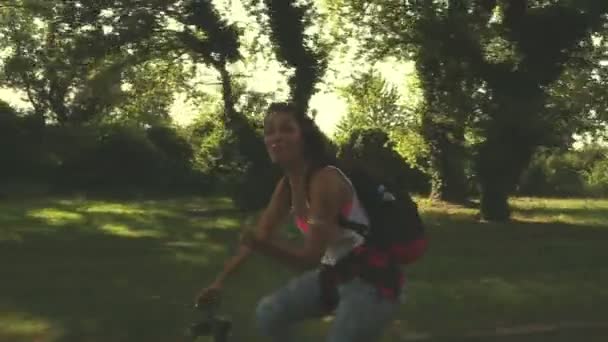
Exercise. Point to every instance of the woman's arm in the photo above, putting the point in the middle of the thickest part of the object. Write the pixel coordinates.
(269, 220)
(328, 192)
(231, 265)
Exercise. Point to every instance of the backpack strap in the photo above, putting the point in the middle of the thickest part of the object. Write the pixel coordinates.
(343, 176)
(344, 221)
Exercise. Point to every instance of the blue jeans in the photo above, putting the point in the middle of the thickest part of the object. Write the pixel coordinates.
(361, 315)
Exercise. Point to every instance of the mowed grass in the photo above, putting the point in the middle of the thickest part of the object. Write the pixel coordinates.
(74, 269)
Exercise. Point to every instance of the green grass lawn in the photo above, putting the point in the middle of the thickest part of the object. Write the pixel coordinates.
(93, 270)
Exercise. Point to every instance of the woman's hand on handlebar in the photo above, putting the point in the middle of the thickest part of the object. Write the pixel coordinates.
(209, 294)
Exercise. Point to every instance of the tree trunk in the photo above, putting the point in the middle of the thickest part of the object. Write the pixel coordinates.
(447, 155)
(501, 160)
(496, 181)
(512, 135)
(229, 110)
(257, 182)
(496, 170)
(494, 203)
(446, 86)
(448, 181)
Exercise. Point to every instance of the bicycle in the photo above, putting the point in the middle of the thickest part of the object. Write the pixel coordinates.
(212, 324)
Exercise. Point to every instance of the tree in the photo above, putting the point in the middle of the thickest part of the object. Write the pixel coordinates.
(287, 22)
(372, 150)
(577, 102)
(543, 38)
(421, 31)
(372, 103)
(503, 55)
(68, 57)
(20, 141)
(210, 39)
(148, 92)
(448, 90)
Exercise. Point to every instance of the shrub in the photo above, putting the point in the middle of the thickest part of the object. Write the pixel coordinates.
(373, 150)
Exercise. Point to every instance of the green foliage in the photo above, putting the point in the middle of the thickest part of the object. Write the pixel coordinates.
(580, 173)
(374, 106)
(372, 150)
(6, 110)
(214, 146)
(597, 177)
(95, 158)
(21, 143)
(221, 39)
(74, 60)
(228, 147)
(124, 159)
(109, 158)
(69, 58)
(173, 145)
(578, 100)
(252, 103)
(372, 103)
(510, 50)
(448, 89)
(427, 33)
(410, 144)
(554, 175)
(545, 38)
(148, 92)
(238, 165)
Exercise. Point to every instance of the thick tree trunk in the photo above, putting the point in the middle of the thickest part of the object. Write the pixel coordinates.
(494, 203)
(446, 87)
(255, 186)
(447, 155)
(504, 155)
(496, 180)
(448, 181)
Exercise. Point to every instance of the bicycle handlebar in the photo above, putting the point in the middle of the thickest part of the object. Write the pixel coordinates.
(211, 324)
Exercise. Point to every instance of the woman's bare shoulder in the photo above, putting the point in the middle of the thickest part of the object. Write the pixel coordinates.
(331, 180)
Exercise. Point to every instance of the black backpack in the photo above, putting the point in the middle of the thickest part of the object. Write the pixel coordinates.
(394, 217)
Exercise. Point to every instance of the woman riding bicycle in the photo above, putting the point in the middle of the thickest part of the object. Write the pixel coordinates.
(319, 195)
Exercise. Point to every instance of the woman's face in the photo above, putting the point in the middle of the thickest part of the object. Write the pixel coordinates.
(283, 138)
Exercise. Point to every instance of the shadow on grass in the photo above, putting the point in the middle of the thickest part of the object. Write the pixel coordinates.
(546, 265)
(586, 334)
(96, 285)
(479, 275)
(579, 212)
(105, 271)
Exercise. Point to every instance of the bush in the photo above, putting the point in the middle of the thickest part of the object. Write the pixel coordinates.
(128, 158)
(122, 157)
(178, 154)
(214, 146)
(110, 158)
(21, 146)
(597, 178)
(374, 151)
(566, 173)
(235, 159)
